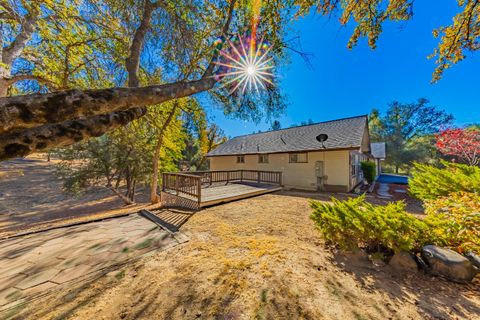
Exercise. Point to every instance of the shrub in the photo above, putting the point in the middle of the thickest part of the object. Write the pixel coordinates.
(428, 182)
(355, 223)
(454, 221)
(369, 170)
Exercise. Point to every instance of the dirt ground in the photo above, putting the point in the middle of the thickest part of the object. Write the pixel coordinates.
(259, 258)
(31, 197)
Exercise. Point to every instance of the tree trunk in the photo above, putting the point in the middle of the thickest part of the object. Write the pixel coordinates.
(154, 198)
(3, 87)
(125, 199)
(132, 63)
(15, 49)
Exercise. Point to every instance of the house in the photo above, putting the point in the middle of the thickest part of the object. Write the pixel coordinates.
(323, 156)
(379, 154)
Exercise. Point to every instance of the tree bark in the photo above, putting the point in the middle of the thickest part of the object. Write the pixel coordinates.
(53, 135)
(125, 199)
(132, 63)
(29, 111)
(14, 50)
(154, 198)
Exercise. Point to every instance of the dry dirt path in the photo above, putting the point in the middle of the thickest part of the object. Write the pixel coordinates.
(259, 258)
(31, 197)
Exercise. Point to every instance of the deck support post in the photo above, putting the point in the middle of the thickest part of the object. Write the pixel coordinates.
(199, 193)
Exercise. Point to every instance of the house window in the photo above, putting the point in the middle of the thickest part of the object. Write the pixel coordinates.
(298, 157)
(263, 158)
(240, 159)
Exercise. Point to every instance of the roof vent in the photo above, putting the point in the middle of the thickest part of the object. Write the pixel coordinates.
(322, 138)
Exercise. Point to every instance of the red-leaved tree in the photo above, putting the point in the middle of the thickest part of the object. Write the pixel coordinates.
(463, 144)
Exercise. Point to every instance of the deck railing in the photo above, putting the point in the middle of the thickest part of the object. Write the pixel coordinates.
(190, 183)
(258, 176)
(182, 184)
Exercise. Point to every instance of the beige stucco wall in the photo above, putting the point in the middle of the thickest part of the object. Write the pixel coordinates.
(295, 175)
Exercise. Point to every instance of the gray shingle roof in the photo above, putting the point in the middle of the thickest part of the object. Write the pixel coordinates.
(343, 133)
(378, 150)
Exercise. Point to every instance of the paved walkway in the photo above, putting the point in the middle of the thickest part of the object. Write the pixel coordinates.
(383, 191)
(32, 264)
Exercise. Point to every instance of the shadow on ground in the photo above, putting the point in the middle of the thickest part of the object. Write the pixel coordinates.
(435, 297)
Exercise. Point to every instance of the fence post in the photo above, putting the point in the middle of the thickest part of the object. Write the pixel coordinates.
(199, 191)
(228, 176)
(241, 175)
(258, 176)
(280, 179)
(176, 184)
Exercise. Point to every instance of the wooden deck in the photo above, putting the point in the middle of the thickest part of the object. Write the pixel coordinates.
(195, 190)
(234, 191)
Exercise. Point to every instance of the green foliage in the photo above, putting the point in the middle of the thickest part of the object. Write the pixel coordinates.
(369, 170)
(368, 17)
(407, 129)
(123, 157)
(429, 182)
(455, 221)
(452, 222)
(355, 222)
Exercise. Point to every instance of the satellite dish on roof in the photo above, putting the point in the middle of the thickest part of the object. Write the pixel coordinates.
(322, 138)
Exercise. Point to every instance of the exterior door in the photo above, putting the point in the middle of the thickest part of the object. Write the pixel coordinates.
(319, 173)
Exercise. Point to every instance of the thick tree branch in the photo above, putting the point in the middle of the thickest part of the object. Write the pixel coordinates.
(27, 29)
(20, 77)
(37, 122)
(63, 134)
(226, 27)
(29, 111)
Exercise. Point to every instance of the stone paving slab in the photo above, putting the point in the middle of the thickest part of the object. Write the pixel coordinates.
(32, 264)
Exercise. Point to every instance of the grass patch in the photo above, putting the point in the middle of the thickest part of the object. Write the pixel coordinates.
(120, 275)
(125, 250)
(144, 244)
(14, 295)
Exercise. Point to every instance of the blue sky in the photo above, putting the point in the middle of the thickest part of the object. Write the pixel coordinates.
(344, 83)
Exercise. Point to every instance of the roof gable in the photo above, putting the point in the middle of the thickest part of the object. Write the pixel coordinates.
(343, 133)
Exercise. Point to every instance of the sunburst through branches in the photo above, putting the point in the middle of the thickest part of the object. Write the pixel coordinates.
(245, 65)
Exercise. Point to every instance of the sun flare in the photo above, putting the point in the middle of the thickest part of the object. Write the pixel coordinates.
(246, 68)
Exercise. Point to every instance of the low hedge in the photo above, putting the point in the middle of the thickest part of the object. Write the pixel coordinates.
(356, 223)
(452, 222)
